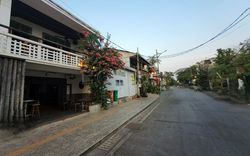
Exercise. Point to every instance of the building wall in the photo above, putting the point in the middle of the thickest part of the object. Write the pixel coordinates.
(38, 30)
(126, 57)
(73, 79)
(5, 10)
(128, 86)
(132, 84)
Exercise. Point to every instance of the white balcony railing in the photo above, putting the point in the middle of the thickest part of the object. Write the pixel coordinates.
(19, 47)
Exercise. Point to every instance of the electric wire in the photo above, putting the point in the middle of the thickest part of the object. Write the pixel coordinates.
(71, 9)
(233, 24)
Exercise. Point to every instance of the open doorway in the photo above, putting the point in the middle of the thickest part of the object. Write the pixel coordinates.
(50, 92)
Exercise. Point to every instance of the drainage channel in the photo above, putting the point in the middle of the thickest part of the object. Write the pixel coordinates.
(112, 143)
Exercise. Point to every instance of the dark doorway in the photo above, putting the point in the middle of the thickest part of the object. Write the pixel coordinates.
(51, 92)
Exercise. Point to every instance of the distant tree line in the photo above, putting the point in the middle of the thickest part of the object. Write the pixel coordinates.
(228, 72)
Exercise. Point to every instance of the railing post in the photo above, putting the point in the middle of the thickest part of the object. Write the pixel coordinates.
(60, 58)
(8, 44)
(39, 51)
(77, 61)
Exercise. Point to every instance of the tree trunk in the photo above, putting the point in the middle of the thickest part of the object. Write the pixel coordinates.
(228, 84)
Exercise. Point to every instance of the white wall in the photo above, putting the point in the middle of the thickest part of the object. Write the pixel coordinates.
(132, 84)
(126, 57)
(128, 88)
(5, 10)
(75, 85)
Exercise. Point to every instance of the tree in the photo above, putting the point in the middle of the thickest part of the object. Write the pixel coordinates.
(100, 64)
(153, 60)
(169, 80)
(242, 63)
(224, 66)
(186, 76)
(202, 78)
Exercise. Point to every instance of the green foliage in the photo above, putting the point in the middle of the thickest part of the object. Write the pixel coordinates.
(168, 79)
(100, 64)
(202, 78)
(186, 76)
(145, 84)
(229, 65)
(153, 60)
(153, 89)
(224, 64)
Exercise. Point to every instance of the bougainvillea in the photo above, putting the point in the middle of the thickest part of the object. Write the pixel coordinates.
(101, 62)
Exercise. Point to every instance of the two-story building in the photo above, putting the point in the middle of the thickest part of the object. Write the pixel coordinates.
(127, 82)
(38, 56)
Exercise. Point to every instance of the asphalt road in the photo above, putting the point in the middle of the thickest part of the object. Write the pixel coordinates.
(189, 123)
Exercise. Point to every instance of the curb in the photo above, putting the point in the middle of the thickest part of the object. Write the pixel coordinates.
(115, 130)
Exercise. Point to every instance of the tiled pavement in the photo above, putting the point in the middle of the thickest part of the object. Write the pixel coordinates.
(75, 135)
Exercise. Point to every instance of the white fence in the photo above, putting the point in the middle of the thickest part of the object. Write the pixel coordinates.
(15, 46)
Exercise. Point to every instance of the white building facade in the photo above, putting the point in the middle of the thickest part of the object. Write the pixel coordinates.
(124, 81)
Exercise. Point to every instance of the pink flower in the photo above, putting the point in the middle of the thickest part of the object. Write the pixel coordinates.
(85, 34)
(97, 55)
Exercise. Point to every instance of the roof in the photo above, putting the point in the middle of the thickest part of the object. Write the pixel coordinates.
(58, 13)
(141, 59)
(129, 69)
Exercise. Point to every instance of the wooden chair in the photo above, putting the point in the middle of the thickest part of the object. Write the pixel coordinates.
(75, 104)
(36, 110)
(31, 109)
(88, 100)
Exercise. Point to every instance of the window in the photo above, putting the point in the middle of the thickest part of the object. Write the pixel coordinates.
(22, 30)
(119, 82)
(55, 39)
(21, 27)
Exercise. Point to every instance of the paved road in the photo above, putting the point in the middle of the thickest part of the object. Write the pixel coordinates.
(188, 123)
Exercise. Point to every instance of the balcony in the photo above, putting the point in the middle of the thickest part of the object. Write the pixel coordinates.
(35, 52)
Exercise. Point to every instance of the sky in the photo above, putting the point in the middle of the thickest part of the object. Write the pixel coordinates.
(172, 25)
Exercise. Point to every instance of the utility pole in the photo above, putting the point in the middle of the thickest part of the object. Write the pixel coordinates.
(137, 73)
(157, 61)
(157, 55)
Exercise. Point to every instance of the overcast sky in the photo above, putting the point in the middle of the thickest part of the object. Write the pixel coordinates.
(173, 25)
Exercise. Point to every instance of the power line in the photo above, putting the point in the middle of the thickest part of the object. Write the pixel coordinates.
(233, 24)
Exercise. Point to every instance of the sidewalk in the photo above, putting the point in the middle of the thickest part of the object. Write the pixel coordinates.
(75, 135)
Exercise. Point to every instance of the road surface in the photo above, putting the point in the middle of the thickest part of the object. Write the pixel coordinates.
(189, 123)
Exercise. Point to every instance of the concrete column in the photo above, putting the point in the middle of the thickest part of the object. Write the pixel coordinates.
(5, 12)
